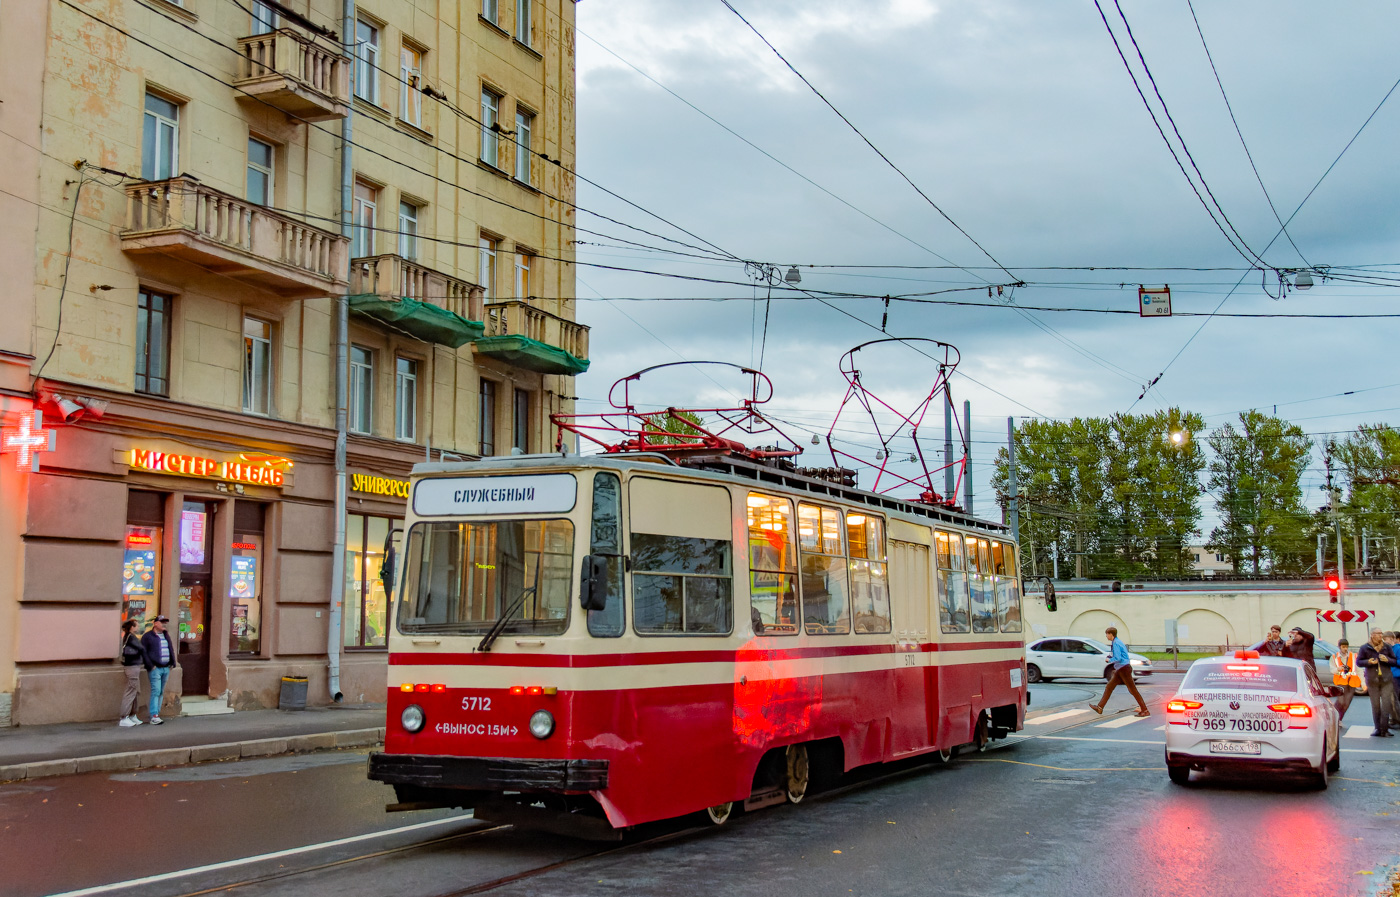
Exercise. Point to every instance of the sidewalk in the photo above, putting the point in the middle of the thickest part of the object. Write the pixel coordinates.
(31, 752)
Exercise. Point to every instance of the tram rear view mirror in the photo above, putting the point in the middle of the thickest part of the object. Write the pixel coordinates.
(386, 572)
(594, 594)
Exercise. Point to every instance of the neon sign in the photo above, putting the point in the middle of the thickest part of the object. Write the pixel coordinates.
(27, 440)
(261, 473)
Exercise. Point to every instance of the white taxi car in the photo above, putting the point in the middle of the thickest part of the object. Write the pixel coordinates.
(1247, 712)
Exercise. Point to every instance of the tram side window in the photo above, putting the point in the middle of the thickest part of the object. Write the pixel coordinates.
(1008, 587)
(606, 541)
(825, 581)
(772, 566)
(953, 612)
(979, 568)
(681, 585)
(870, 584)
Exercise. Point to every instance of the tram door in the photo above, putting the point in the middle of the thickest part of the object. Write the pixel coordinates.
(911, 587)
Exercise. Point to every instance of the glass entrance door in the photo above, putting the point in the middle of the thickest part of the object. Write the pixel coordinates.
(196, 569)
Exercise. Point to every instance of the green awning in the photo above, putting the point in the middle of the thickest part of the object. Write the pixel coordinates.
(531, 354)
(419, 319)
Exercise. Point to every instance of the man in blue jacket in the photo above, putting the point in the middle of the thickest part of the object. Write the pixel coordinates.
(160, 660)
(1122, 673)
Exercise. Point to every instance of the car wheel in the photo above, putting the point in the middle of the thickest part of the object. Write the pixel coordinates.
(1032, 673)
(1336, 762)
(1179, 773)
(1320, 777)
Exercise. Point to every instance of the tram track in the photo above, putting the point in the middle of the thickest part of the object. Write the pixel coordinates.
(884, 774)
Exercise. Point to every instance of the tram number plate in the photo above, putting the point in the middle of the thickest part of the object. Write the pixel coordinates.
(1234, 747)
(473, 702)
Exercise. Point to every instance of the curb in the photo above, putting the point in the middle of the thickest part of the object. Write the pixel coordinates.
(181, 756)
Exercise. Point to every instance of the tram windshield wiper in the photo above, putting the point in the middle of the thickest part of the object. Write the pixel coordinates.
(499, 626)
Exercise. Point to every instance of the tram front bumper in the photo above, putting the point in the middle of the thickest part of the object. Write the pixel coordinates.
(489, 773)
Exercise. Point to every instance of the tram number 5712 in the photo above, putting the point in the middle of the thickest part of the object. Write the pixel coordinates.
(476, 703)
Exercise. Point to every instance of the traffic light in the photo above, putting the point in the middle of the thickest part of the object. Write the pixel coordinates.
(1334, 588)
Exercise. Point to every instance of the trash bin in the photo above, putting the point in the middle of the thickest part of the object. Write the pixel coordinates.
(293, 695)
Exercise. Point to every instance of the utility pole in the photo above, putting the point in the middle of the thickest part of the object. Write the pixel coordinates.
(1334, 501)
(967, 455)
(949, 483)
(1011, 505)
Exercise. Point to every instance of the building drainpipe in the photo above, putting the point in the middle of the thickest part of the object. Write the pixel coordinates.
(342, 385)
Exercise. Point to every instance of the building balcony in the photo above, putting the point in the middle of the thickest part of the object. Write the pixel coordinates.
(531, 338)
(427, 304)
(181, 218)
(295, 74)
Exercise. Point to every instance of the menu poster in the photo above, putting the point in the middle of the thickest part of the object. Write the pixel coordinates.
(192, 537)
(243, 577)
(240, 620)
(139, 572)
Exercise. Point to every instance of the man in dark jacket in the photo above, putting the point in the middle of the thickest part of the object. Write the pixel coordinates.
(1374, 660)
(1300, 644)
(1272, 646)
(160, 660)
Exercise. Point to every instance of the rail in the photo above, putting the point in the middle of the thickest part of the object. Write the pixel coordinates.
(393, 276)
(291, 55)
(518, 318)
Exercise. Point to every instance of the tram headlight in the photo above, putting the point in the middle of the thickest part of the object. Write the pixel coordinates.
(542, 724)
(412, 718)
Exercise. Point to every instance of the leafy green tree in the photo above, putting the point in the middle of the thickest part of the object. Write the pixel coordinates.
(676, 426)
(1370, 468)
(1256, 477)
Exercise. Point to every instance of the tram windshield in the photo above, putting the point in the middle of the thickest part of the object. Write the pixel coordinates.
(460, 577)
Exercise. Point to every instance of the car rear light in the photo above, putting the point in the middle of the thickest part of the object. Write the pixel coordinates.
(1181, 706)
(1242, 668)
(1292, 709)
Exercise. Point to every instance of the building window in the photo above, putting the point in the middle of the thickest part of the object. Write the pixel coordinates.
(520, 422)
(366, 605)
(361, 389)
(524, 122)
(245, 578)
(489, 10)
(160, 139)
(257, 366)
(486, 419)
(523, 264)
(141, 570)
(362, 220)
(522, 21)
(152, 343)
(490, 128)
(264, 18)
(408, 230)
(405, 399)
(411, 73)
(486, 271)
(259, 172)
(366, 61)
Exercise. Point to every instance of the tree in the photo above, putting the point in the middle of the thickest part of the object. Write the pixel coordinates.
(674, 426)
(1370, 462)
(1256, 478)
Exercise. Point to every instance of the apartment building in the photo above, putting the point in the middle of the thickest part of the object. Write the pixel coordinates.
(183, 214)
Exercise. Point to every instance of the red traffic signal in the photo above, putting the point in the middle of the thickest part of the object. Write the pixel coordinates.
(1334, 588)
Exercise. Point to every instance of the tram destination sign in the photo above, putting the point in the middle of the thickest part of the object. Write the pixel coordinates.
(478, 496)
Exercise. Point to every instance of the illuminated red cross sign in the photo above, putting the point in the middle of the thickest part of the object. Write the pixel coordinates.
(27, 440)
(1345, 616)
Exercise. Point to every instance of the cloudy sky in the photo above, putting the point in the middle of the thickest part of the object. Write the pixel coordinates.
(1018, 119)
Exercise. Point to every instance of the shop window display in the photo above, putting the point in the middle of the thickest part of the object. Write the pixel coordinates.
(366, 605)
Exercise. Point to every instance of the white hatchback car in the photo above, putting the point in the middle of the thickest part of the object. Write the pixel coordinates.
(1249, 712)
(1073, 657)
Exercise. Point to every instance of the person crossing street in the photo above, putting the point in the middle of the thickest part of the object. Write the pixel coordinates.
(1122, 673)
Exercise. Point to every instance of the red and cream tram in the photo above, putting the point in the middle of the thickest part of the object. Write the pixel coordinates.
(626, 637)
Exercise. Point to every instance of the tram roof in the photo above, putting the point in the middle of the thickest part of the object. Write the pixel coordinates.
(718, 468)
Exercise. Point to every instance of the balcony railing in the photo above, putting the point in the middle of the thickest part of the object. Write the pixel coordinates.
(519, 318)
(295, 74)
(395, 277)
(182, 218)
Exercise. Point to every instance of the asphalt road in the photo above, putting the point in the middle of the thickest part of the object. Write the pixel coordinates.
(1075, 805)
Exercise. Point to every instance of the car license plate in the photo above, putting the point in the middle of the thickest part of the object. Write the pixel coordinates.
(1234, 747)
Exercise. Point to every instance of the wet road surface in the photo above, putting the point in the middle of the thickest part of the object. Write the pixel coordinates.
(1079, 805)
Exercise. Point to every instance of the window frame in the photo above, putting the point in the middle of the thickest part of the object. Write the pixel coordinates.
(144, 313)
(408, 229)
(524, 21)
(251, 388)
(956, 566)
(490, 150)
(878, 565)
(265, 19)
(154, 123)
(841, 555)
(523, 269)
(524, 147)
(366, 68)
(405, 399)
(363, 211)
(487, 249)
(605, 540)
(486, 411)
(520, 422)
(268, 171)
(756, 506)
(359, 398)
(411, 78)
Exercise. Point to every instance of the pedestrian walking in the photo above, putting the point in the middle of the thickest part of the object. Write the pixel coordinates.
(1122, 673)
(1344, 675)
(1392, 641)
(1375, 660)
(1300, 644)
(160, 660)
(133, 660)
(1273, 646)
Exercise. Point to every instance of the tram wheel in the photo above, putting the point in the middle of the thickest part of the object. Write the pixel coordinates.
(719, 814)
(799, 773)
(981, 737)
